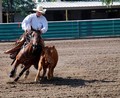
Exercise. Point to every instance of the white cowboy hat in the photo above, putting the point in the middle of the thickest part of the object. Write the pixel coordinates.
(40, 9)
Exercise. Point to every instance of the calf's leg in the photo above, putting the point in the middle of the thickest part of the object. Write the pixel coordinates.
(50, 71)
(44, 72)
(38, 73)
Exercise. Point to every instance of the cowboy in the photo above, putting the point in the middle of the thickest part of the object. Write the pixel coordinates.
(36, 21)
(33, 22)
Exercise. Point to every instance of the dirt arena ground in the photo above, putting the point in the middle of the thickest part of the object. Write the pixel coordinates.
(87, 68)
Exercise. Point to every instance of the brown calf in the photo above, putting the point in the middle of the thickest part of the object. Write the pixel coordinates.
(49, 59)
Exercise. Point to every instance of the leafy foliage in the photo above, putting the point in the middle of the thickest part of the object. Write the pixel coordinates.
(109, 2)
(22, 6)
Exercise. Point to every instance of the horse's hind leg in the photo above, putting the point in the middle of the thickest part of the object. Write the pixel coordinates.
(26, 73)
(20, 74)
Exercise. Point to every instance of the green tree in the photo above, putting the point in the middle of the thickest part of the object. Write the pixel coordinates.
(21, 6)
(109, 2)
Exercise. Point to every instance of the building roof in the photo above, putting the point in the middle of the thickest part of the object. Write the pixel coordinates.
(76, 5)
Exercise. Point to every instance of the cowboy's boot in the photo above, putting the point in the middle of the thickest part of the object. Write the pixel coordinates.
(13, 55)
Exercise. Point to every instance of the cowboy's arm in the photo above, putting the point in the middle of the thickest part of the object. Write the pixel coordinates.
(45, 26)
(26, 23)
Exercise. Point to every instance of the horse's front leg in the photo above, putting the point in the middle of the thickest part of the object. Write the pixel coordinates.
(20, 74)
(26, 72)
(13, 71)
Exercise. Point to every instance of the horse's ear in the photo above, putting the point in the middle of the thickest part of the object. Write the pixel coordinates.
(53, 46)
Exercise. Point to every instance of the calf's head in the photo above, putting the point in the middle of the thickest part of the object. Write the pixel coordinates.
(48, 53)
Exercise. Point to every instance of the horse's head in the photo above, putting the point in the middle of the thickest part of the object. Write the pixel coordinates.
(36, 40)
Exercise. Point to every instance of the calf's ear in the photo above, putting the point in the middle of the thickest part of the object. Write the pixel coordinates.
(52, 49)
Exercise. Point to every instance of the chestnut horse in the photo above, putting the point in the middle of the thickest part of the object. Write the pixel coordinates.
(28, 55)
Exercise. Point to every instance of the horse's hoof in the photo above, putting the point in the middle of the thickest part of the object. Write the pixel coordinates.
(25, 76)
(16, 79)
(11, 75)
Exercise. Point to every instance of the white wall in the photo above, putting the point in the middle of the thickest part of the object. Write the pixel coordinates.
(0, 11)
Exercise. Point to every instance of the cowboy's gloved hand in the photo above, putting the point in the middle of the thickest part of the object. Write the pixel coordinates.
(27, 32)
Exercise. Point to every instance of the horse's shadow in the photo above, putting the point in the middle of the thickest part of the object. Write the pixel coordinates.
(64, 81)
(67, 81)
(72, 82)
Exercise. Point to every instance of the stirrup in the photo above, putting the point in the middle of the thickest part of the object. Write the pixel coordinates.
(13, 55)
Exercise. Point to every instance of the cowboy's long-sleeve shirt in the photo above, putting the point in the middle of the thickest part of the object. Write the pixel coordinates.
(37, 23)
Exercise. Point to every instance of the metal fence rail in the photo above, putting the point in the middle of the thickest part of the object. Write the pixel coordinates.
(100, 28)
(58, 30)
(65, 30)
(9, 32)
